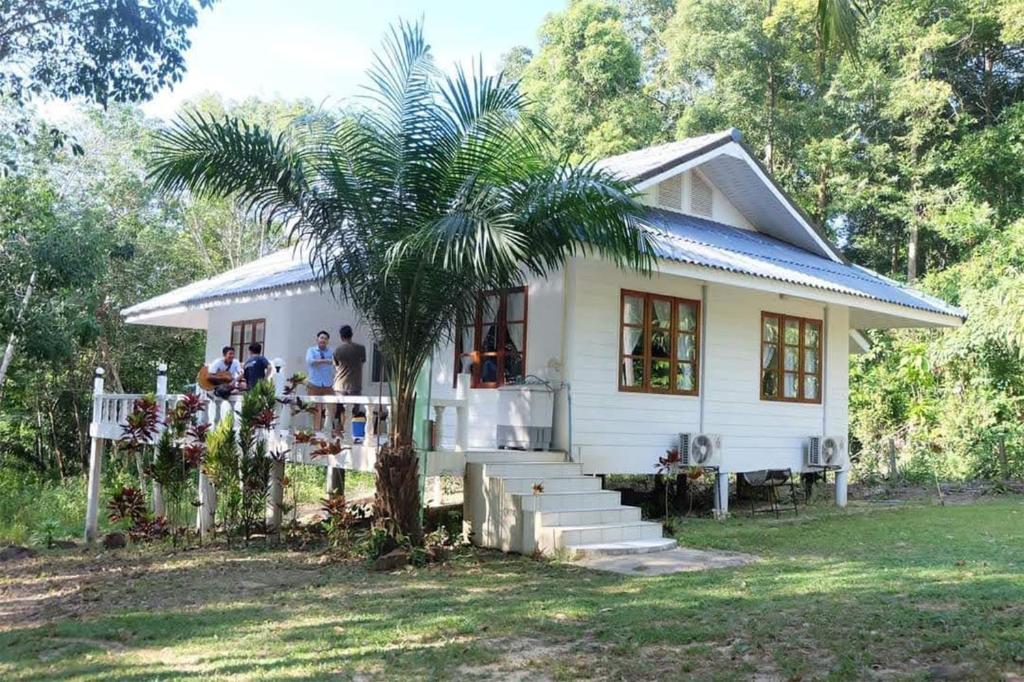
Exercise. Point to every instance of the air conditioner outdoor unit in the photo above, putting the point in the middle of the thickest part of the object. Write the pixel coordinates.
(826, 452)
(700, 450)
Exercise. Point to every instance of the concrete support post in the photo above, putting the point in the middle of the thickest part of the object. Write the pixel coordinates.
(436, 491)
(207, 505)
(722, 496)
(92, 506)
(276, 498)
(462, 412)
(841, 480)
(437, 437)
(335, 479)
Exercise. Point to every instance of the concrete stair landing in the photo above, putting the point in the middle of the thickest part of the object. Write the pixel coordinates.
(536, 501)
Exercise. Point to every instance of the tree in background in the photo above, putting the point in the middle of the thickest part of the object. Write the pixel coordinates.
(97, 50)
(440, 190)
(587, 80)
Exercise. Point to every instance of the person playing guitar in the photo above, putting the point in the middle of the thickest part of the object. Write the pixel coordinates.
(222, 375)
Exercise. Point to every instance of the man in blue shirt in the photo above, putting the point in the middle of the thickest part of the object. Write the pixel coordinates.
(320, 368)
(256, 367)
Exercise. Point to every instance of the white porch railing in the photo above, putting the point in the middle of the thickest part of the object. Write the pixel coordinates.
(111, 410)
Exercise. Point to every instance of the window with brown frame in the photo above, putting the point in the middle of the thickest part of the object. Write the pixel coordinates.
(790, 358)
(659, 344)
(494, 343)
(245, 332)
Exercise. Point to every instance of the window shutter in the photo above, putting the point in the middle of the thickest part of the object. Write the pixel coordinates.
(670, 193)
(701, 196)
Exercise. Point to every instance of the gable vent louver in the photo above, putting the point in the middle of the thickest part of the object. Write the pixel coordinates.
(670, 193)
(701, 196)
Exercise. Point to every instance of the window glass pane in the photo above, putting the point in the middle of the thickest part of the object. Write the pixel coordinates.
(684, 377)
(632, 372)
(247, 335)
(771, 330)
(770, 383)
(489, 308)
(633, 310)
(810, 387)
(515, 306)
(660, 374)
(260, 334)
(514, 337)
(792, 358)
(687, 313)
(660, 340)
(811, 361)
(661, 313)
(632, 341)
(236, 334)
(686, 348)
(789, 385)
(793, 332)
(489, 338)
(489, 369)
(513, 367)
(812, 332)
(768, 352)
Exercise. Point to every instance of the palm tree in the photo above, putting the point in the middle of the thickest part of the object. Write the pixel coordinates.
(839, 25)
(439, 189)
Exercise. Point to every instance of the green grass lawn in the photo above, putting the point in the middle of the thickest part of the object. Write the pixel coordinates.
(891, 593)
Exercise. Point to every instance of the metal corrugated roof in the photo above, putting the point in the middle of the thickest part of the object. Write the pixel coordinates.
(280, 270)
(650, 161)
(677, 237)
(698, 241)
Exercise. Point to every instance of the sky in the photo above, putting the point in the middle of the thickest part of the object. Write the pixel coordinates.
(320, 49)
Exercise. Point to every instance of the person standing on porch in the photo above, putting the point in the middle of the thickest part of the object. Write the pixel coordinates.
(349, 358)
(319, 361)
(256, 367)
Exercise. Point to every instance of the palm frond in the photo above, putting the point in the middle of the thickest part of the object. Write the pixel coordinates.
(839, 25)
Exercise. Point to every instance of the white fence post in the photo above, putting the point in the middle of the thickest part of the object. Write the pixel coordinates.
(92, 508)
(276, 498)
(159, 506)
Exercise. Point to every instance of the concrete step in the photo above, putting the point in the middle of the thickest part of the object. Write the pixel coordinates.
(621, 548)
(551, 484)
(561, 501)
(564, 536)
(501, 456)
(589, 517)
(528, 469)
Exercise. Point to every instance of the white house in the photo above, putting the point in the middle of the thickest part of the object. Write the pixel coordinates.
(742, 333)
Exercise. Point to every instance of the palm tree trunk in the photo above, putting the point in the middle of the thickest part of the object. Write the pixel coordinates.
(397, 497)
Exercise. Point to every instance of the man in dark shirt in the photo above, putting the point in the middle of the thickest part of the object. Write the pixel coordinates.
(349, 358)
(257, 367)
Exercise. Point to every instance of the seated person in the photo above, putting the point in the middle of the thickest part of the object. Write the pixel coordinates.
(256, 367)
(225, 373)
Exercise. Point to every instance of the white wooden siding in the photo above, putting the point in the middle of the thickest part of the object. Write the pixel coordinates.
(620, 432)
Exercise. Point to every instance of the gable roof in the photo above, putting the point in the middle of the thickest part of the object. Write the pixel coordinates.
(676, 237)
(646, 163)
(730, 165)
(698, 241)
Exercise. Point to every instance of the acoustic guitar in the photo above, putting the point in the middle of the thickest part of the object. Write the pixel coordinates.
(208, 380)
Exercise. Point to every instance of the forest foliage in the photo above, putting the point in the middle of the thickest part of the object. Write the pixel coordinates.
(908, 152)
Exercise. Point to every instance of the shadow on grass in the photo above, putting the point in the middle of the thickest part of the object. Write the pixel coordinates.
(835, 595)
